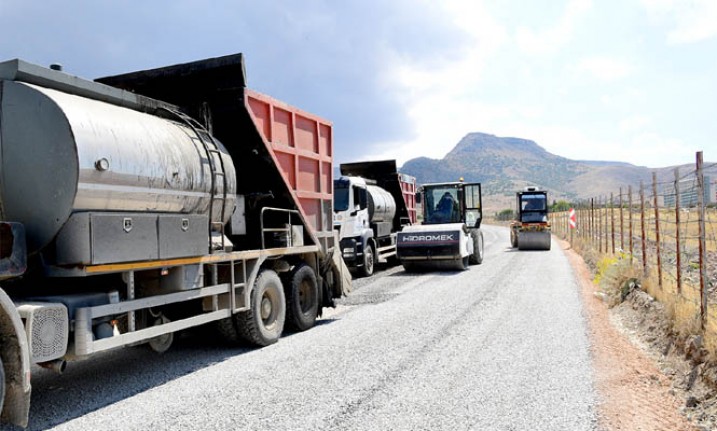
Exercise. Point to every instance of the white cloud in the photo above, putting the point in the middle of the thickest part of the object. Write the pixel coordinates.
(604, 68)
(437, 96)
(692, 21)
(552, 39)
(634, 123)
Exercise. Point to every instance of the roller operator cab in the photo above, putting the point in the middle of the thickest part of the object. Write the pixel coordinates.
(449, 236)
(531, 228)
(372, 202)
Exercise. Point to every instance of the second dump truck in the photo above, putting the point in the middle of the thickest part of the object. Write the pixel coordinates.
(531, 228)
(372, 202)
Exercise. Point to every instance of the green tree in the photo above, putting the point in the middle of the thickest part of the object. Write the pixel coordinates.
(504, 215)
(560, 206)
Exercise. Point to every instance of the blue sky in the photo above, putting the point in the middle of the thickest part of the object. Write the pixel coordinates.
(628, 80)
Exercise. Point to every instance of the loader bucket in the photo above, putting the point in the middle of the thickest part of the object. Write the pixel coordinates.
(534, 240)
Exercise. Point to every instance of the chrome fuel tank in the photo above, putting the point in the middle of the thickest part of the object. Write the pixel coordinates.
(62, 153)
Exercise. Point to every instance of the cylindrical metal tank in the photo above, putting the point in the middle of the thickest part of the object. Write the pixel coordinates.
(61, 153)
(381, 205)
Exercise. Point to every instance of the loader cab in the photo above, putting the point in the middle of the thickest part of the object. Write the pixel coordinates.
(451, 203)
(532, 206)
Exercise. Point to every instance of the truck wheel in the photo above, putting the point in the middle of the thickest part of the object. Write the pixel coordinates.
(368, 261)
(263, 323)
(477, 257)
(2, 385)
(302, 298)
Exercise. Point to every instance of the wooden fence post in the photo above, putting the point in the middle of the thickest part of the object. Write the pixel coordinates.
(657, 229)
(612, 221)
(642, 229)
(677, 230)
(599, 225)
(702, 234)
(622, 228)
(629, 213)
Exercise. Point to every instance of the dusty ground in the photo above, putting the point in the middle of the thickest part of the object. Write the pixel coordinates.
(635, 392)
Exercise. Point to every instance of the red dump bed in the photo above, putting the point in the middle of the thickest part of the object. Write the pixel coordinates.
(302, 146)
(408, 189)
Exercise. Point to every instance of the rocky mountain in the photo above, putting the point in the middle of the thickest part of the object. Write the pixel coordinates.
(506, 165)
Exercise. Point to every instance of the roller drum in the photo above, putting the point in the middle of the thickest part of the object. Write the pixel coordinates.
(63, 154)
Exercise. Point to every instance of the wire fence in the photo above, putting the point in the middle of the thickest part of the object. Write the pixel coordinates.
(667, 229)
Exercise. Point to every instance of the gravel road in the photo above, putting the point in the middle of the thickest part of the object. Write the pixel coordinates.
(502, 346)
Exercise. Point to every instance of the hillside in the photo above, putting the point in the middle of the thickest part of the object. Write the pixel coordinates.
(505, 165)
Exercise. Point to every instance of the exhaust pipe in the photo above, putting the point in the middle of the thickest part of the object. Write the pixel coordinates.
(58, 365)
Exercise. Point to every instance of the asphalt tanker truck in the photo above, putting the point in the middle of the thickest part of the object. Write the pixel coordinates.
(139, 205)
(372, 202)
(449, 236)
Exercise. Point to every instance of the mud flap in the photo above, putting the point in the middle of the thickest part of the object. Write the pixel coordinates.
(342, 275)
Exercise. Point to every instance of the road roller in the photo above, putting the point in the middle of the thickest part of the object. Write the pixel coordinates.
(531, 228)
(449, 237)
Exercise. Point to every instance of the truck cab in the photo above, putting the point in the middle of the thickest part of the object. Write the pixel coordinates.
(351, 220)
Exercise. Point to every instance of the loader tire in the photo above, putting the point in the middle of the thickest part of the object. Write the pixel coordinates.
(302, 298)
(366, 269)
(263, 323)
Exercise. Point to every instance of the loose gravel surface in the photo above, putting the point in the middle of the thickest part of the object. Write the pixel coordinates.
(501, 346)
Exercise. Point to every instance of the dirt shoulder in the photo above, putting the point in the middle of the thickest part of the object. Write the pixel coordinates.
(634, 393)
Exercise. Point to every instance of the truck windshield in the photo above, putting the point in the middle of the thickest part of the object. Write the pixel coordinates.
(341, 195)
(442, 205)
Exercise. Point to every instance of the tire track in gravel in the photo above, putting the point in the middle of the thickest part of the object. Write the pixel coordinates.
(430, 344)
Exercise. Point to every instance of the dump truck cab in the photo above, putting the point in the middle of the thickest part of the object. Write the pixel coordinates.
(531, 228)
(449, 236)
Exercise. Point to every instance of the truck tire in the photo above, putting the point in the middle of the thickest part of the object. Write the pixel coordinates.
(368, 261)
(302, 298)
(2, 385)
(263, 323)
(477, 257)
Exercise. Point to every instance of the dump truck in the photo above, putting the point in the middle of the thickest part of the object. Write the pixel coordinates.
(372, 203)
(531, 228)
(139, 205)
(449, 236)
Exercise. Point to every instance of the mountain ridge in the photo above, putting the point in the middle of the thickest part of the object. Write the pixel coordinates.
(505, 165)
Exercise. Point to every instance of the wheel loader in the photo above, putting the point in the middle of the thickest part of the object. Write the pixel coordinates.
(449, 236)
(531, 229)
